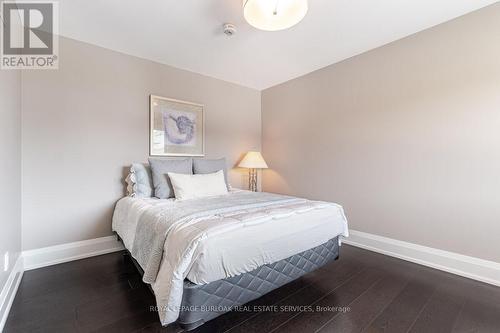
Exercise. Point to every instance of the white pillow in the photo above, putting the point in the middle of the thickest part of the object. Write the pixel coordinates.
(198, 186)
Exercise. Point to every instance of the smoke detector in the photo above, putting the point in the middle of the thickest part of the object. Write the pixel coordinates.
(229, 29)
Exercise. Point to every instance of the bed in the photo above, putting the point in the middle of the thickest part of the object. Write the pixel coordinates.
(206, 256)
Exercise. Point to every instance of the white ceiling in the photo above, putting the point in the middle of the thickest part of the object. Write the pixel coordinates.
(188, 33)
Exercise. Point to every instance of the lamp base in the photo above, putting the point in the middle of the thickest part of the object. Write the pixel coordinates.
(252, 180)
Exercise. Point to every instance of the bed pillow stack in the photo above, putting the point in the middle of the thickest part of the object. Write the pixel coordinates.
(198, 186)
(204, 166)
(160, 169)
(212, 173)
(139, 181)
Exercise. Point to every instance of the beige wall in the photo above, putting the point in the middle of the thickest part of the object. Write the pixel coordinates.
(10, 170)
(83, 123)
(406, 137)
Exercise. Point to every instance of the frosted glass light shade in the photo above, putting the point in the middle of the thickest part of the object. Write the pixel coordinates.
(253, 160)
(273, 15)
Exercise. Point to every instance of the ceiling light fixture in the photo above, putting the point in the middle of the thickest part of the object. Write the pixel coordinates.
(229, 29)
(273, 15)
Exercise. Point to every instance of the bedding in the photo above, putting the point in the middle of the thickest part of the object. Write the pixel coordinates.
(208, 239)
(139, 181)
(159, 169)
(198, 186)
(203, 166)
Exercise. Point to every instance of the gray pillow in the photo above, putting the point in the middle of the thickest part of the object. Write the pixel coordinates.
(203, 166)
(160, 168)
(139, 181)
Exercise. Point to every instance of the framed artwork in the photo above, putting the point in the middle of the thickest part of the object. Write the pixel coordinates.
(176, 127)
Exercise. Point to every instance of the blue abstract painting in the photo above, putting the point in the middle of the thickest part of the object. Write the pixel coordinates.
(176, 127)
(179, 128)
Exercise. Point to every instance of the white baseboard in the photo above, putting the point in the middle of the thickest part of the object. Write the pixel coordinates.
(57, 254)
(470, 267)
(9, 290)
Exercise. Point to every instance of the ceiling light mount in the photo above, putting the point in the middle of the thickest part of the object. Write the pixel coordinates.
(274, 15)
(229, 29)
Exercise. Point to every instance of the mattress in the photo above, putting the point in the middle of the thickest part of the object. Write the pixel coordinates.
(217, 242)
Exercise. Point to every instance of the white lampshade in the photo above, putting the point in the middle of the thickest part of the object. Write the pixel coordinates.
(273, 15)
(253, 160)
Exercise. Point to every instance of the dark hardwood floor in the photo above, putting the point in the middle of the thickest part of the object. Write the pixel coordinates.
(363, 291)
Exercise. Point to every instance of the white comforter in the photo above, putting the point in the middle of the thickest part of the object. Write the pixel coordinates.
(209, 239)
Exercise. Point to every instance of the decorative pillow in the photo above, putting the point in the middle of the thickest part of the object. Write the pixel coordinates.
(160, 169)
(204, 166)
(139, 181)
(198, 186)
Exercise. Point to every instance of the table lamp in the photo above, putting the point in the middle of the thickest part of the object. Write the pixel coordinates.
(252, 161)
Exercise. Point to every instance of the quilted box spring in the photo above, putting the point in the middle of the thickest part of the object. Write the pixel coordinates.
(201, 303)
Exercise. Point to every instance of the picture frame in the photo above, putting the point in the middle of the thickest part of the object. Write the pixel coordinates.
(177, 128)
